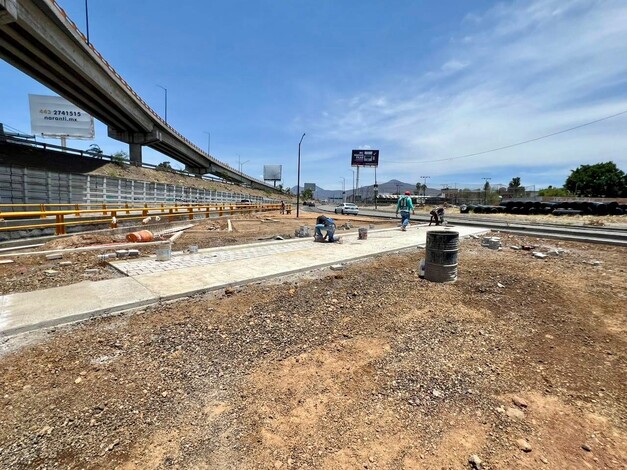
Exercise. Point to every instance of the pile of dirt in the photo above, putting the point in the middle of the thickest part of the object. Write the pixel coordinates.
(520, 364)
(116, 170)
(81, 240)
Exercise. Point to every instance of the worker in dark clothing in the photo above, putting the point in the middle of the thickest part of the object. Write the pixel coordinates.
(437, 216)
(326, 223)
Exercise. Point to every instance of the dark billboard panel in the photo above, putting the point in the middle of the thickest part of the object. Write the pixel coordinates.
(365, 158)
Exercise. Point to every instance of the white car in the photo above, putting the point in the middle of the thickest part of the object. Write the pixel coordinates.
(347, 208)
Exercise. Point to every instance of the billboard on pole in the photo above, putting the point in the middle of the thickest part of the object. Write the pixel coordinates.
(311, 186)
(272, 172)
(53, 116)
(365, 158)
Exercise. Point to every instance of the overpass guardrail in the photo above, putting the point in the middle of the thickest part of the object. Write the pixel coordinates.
(63, 215)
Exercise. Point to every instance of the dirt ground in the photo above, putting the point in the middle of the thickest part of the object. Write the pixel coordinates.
(33, 272)
(519, 364)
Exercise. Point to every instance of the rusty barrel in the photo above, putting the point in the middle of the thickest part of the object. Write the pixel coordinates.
(141, 236)
(441, 256)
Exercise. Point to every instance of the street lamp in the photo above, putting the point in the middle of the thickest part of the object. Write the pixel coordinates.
(343, 189)
(298, 179)
(87, 21)
(240, 164)
(208, 142)
(166, 102)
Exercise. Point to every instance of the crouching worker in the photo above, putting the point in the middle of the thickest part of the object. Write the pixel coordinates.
(328, 224)
(437, 216)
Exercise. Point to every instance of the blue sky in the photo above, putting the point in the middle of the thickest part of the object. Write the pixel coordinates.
(418, 80)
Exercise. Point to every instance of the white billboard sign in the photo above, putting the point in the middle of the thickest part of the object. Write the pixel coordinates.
(272, 172)
(53, 116)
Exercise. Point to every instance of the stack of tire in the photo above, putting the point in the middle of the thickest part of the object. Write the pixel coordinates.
(559, 208)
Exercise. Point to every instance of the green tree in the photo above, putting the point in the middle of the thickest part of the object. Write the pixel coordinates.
(95, 149)
(598, 180)
(554, 192)
(515, 188)
(164, 166)
(486, 189)
(307, 194)
(120, 157)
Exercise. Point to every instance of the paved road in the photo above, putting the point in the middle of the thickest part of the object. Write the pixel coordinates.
(615, 235)
(150, 281)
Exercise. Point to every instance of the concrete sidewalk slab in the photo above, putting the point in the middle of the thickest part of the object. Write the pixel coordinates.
(185, 275)
(49, 307)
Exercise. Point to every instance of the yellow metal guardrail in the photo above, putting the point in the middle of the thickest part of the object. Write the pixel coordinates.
(116, 213)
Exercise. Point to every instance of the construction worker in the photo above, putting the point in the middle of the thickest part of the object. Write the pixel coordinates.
(328, 224)
(405, 205)
(437, 216)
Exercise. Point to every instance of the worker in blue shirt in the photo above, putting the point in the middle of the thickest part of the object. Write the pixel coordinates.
(405, 205)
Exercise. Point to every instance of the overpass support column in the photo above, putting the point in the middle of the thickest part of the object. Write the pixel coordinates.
(135, 141)
(135, 154)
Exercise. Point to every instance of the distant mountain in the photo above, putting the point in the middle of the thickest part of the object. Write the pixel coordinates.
(390, 187)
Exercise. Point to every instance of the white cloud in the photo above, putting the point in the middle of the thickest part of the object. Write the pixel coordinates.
(537, 67)
(454, 65)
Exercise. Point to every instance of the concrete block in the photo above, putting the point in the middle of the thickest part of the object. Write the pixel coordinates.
(54, 256)
(6, 261)
(65, 263)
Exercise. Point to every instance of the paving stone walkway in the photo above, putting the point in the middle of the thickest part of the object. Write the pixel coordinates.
(213, 256)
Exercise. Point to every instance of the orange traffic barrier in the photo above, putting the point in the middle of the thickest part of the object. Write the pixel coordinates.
(141, 236)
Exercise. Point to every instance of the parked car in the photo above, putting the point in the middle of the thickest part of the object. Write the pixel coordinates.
(246, 201)
(347, 208)
(310, 203)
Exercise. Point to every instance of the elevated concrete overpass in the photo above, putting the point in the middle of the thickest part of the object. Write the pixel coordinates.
(37, 37)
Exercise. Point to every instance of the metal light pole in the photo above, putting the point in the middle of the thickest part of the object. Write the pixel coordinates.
(375, 188)
(208, 142)
(240, 164)
(343, 189)
(166, 102)
(298, 179)
(87, 21)
(353, 186)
